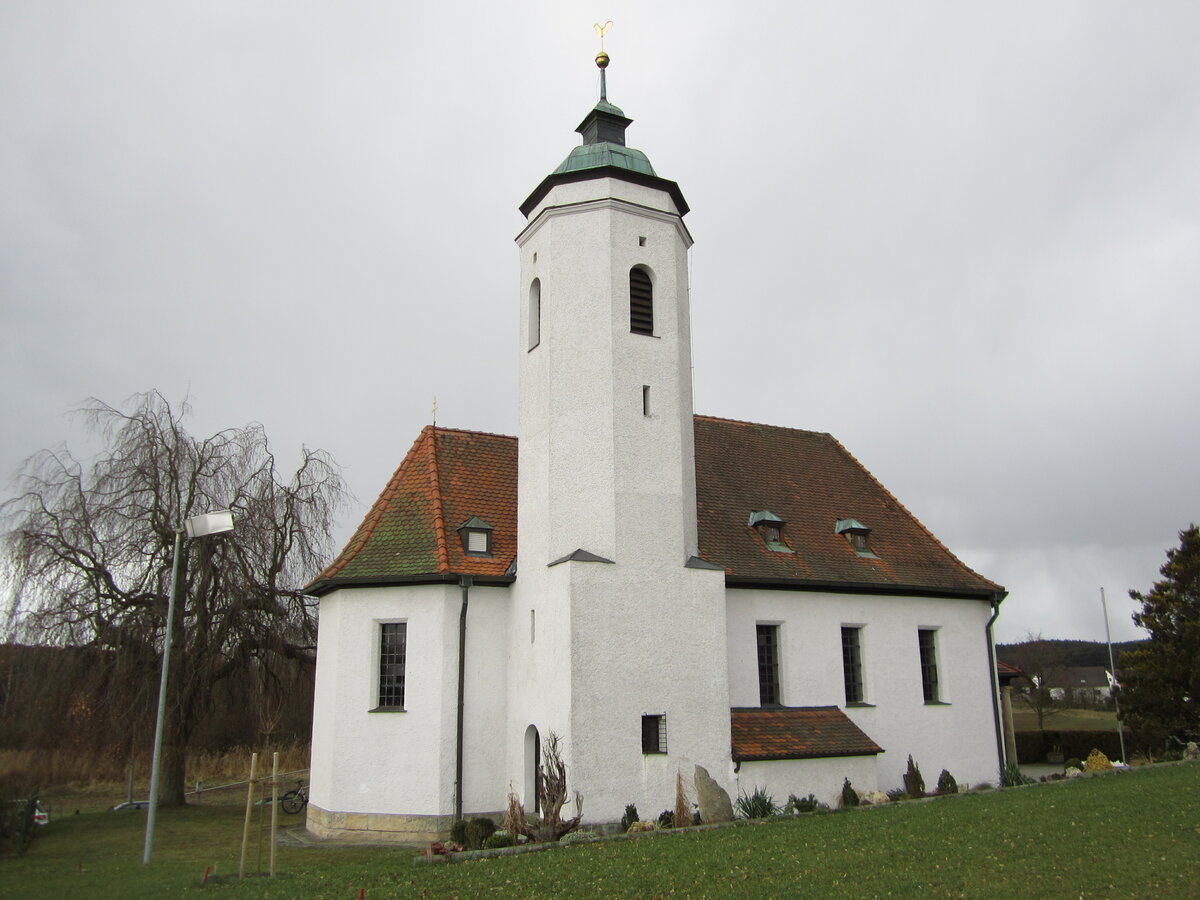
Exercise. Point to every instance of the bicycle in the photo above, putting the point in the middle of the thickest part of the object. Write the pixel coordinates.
(294, 801)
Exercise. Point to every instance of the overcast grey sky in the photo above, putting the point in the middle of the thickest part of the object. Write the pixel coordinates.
(962, 237)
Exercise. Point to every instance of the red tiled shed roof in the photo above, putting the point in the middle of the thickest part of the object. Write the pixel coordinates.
(798, 732)
(1007, 672)
(805, 478)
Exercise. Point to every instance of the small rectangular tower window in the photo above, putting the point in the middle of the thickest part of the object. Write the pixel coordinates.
(852, 664)
(654, 734)
(768, 665)
(393, 645)
(645, 399)
(642, 241)
(926, 641)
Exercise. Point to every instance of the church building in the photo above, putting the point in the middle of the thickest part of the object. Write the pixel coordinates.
(657, 588)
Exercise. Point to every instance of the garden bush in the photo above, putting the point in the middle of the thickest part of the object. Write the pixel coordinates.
(849, 794)
(1097, 762)
(479, 830)
(666, 818)
(757, 805)
(631, 816)
(801, 804)
(946, 783)
(498, 840)
(898, 794)
(914, 784)
(1012, 776)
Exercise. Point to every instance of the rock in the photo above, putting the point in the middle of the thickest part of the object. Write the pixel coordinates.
(715, 805)
(1191, 751)
(873, 798)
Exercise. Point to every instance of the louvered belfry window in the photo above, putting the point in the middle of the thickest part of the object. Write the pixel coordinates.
(641, 302)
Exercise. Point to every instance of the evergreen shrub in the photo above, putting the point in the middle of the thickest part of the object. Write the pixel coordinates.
(849, 794)
(946, 783)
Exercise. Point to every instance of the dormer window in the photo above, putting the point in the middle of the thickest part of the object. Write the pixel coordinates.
(476, 536)
(770, 528)
(857, 535)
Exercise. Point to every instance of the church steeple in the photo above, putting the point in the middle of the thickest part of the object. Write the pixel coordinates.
(603, 152)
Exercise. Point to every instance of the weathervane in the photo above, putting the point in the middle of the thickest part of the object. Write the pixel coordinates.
(434, 412)
(602, 57)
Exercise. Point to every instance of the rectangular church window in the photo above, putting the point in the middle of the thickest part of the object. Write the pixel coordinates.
(393, 641)
(768, 665)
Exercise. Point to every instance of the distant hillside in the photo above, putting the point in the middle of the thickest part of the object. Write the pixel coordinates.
(1073, 653)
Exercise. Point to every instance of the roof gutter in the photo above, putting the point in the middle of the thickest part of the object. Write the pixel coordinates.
(785, 583)
(324, 586)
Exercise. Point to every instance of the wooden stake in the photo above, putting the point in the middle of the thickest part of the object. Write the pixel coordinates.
(274, 805)
(249, 810)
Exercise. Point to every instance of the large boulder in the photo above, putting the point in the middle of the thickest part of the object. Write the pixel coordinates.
(714, 802)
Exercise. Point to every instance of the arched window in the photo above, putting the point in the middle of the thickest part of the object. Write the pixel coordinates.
(641, 302)
(535, 313)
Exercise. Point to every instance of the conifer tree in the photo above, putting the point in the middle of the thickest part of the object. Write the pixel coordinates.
(1161, 678)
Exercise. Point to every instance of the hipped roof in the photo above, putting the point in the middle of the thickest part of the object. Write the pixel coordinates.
(805, 478)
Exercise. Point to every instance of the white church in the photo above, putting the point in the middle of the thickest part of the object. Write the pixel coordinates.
(659, 589)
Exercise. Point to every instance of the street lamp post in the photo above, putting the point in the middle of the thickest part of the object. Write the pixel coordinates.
(197, 526)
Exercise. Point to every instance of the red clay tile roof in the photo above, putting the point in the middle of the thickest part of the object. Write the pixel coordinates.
(804, 477)
(1007, 672)
(810, 481)
(798, 732)
(447, 477)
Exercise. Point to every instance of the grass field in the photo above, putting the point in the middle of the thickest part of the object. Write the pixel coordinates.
(1024, 719)
(1133, 834)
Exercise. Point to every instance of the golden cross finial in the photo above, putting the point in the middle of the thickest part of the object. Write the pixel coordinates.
(602, 30)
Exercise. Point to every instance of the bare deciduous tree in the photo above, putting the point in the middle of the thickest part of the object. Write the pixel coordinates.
(552, 796)
(91, 549)
(1041, 662)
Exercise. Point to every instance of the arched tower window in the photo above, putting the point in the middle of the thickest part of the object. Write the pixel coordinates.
(641, 301)
(535, 313)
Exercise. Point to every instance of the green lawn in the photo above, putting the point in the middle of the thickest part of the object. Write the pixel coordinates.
(1025, 719)
(1124, 835)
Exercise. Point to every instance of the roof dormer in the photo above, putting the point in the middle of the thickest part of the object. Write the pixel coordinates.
(476, 536)
(770, 528)
(857, 535)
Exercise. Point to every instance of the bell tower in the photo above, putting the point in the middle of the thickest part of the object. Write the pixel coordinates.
(608, 580)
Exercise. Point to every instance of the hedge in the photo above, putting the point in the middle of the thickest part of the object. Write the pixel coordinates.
(1032, 746)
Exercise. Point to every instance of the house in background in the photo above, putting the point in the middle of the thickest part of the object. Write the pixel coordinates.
(660, 590)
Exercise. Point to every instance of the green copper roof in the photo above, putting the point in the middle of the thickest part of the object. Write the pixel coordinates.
(593, 156)
(605, 106)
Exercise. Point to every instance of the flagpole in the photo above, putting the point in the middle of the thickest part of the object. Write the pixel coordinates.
(1112, 667)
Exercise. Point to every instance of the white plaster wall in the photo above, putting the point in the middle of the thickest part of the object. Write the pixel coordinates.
(646, 640)
(403, 762)
(820, 777)
(958, 735)
(485, 721)
(539, 670)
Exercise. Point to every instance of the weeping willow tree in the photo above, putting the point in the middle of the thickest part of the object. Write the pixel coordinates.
(90, 548)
